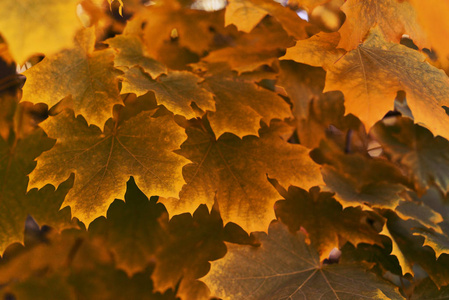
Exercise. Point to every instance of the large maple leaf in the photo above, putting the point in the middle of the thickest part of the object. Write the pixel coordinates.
(286, 267)
(236, 171)
(372, 74)
(103, 160)
(394, 18)
(87, 75)
(32, 27)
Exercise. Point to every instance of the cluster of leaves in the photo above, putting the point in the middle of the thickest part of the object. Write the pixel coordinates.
(327, 140)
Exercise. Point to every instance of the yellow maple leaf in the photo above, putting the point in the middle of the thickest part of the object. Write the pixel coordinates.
(87, 75)
(103, 160)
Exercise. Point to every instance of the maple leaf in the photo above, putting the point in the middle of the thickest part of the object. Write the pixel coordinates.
(31, 27)
(426, 289)
(371, 75)
(328, 225)
(176, 91)
(132, 50)
(180, 248)
(88, 76)
(302, 84)
(359, 179)
(424, 156)
(191, 28)
(318, 50)
(246, 14)
(393, 18)
(261, 46)
(285, 266)
(103, 160)
(237, 99)
(236, 170)
(16, 161)
(408, 248)
(75, 266)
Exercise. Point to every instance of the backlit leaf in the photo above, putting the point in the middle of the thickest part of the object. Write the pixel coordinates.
(176, 91)
(236, 171)
(103, 160)
(87, 75)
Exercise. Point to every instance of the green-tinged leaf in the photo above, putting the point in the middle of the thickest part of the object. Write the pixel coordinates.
(439, 242)
(133, 229)
(176, 91)
(359, 179)
(102, 161)
(31, 27)
(420, 212)
(71, 266)
(328, 225)
(284, 266)
(236, 170)
(425, 157)
(87, 75)
(427, 290)
(409, 249)
(17, 159)
(237, 100)
(139, 234)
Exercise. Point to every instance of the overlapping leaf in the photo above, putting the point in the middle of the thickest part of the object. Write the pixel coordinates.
(358, 179)
(139, 233)
(237, 99)
(133, 52)
(371, 75)
(249, 51)
(246, 14)
(71, 266)
(87, 75)
(102, 161)
(176, 91)
(235, 170)
(16, 161)
(285, 267)
(425, 157)
(328, 225)
(192, 29)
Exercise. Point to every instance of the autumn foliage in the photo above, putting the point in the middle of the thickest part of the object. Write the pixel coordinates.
(258, 155)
